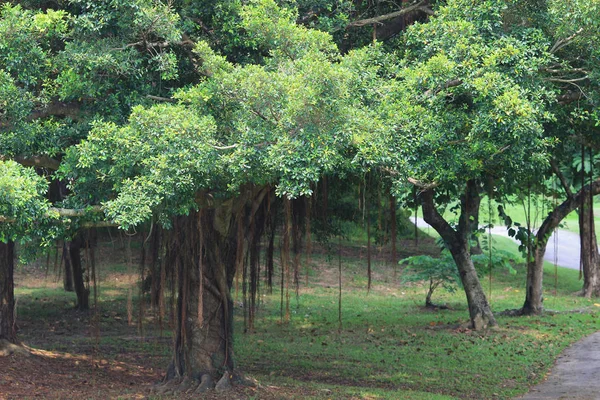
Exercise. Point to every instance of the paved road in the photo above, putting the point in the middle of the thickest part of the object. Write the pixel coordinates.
(568, 244)
(576, 374)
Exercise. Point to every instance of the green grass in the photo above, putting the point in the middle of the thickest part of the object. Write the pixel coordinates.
(388, 346)
(391, 347)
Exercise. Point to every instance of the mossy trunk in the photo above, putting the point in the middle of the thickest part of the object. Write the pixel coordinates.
(7, 297)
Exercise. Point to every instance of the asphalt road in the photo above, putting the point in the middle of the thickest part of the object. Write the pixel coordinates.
(576, 374)
(567, 244)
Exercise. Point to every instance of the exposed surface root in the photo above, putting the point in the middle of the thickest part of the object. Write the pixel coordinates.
(206, 384)
(7, 348)
(224, 383)
(203, 384)
(434, 307)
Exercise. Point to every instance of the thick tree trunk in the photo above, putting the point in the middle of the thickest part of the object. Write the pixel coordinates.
(82, 292)
(589, 249)
(206, 264)
(457, 242)
(207, 244)
(7, 298)
(475, 242)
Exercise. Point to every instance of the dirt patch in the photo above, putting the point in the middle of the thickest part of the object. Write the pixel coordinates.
(56, 375)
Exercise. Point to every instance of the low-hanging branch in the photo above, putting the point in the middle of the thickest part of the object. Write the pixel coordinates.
(38, 162)
(421, 6)
(53, 109)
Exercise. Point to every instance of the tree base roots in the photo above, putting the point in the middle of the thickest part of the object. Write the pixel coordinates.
(202, 384)
(7, 349)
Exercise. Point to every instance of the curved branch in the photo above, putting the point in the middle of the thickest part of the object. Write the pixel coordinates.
(422, 185)
(421, 6)
(74, 212)
(561, 177)
(39, 162)
(564, 42)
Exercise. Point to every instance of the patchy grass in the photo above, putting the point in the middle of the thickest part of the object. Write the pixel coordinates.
(388, 345)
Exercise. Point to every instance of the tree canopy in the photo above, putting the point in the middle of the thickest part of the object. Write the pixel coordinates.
(197, 115)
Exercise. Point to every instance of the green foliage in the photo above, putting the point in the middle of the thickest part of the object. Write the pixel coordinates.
(442, 271)
(466, 100)
(437, 271)
(156, 163)
(281, 123)
(23, 207)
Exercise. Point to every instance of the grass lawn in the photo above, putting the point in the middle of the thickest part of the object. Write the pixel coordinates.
(388, 345)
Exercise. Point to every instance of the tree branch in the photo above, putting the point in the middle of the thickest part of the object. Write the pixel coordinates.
(38, 161)
(564, 42)
(54, 109)
(159, 98)
(422, 185)
(152, 45)
(432, 216)
(447, 85)
(562, 80)
(233, 146)
(74, 212)
(421, 6)
(565, 208)
(561, 178)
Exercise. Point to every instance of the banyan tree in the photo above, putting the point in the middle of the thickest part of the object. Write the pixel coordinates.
(206, 171)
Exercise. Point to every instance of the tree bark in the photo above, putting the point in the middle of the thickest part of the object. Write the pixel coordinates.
(474, 235)
(82, 292)
(589, 249)
(535, 267)
(7, 297)
(207, 244)
(457, 242)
